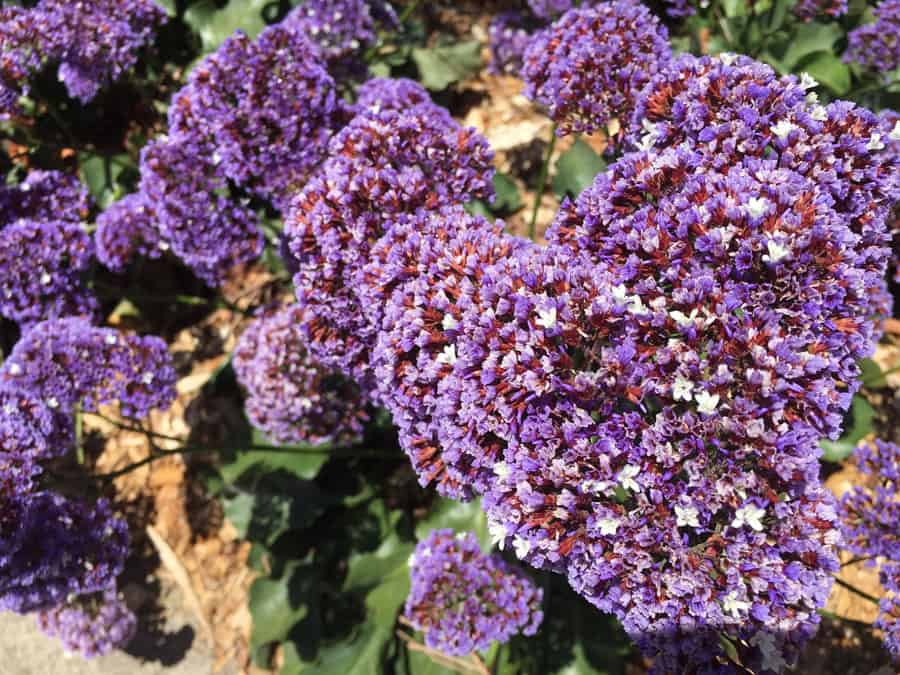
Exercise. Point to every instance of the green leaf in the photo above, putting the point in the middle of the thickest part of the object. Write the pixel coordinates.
(304, 462)
(457, 516)
(576, 169)
(101, 175)
(508, 198)
(216, 25)
(861, 416)
(810, 38)
(828, 69)
(871, 374)
(441, 66)
(278, 605)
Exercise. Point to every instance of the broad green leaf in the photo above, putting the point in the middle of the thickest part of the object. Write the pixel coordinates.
(441, 66)
(101, 175)
(216, 25)
(304, 461)
(576, 169)
(278, 503)
(735, 8)
(810, 38)
(278, 605)
(828, 69)
(421, 664)
(861, 416)
(457, 516)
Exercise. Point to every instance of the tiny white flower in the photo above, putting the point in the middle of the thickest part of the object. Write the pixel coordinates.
(608, 526)
(782, 129)
(733, 606)
(636, 305)
(812, 98)
(497, 533)
(546, 317)
(651, 135)
(46, 279)
(683, 319)
(728, 58)
(819, 114)
(110, 339)
(757, 206)
(521, 547)
(163, 246)
(501, 469)
(449, 323)
(411, 560)
(895, 132)
(682, 390)
(875, 142)
(686, 516)
(807, 81)
(706, 402)
(750, 515)
(776, 253)
(52, 403)
(447, 356)
(619, 293)
(627, 475)
(15, 369)
(147, 377)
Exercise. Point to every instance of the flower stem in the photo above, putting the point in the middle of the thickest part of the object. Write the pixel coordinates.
(853, 589)
(542, 183)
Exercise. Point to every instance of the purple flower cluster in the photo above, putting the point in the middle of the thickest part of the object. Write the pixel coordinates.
(807, 10)
(68, 362)
(262, 109)
(385, 162)
(422, 278)
(462, 600)
(289, 396)
(47, 283)
(870, 513)
(54, 547)
(92, 625)
(588, 67)
(876, 45)
(509, 35)
(127, 229)
(888, 621)
(381, 93)
(342, 29)
(93, 43)
(44, 195)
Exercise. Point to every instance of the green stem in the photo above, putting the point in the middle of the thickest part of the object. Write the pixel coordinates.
(853, 589)
(542, 183)
(407, 12)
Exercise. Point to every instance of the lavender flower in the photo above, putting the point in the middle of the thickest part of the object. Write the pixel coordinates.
(47, 283)
(422, 277)
(43, 196)
(875, 45)
(383, 163)
(589, 66)
(889, 618)
(52, 548)
(290, 397)
(342, 28)
(264, 110)
(509, 35)
(381, 93)
(205, 227)
(125, 230)
(64, 362)
(21, 40)
(95, 42)
(870, 512)
(679, 9)
(463, 600)
(808, 10)
(92, 625)
(550, 10)
(30, 428)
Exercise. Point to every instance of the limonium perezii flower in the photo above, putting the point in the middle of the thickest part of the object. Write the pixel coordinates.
(91, 625)
(875, 45)
(290, 397)
(463, 600)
